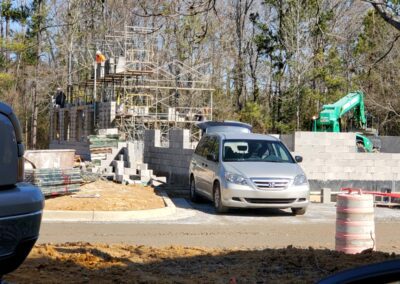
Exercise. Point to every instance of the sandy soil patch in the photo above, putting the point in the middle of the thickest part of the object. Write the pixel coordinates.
(107, 196)
(84, 262)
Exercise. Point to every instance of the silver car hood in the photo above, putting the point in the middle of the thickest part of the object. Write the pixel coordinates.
(264, 169)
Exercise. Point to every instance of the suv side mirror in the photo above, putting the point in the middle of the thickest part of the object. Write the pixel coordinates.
(298, 159)
(212, 157)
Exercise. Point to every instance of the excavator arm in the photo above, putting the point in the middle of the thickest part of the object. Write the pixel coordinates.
(354, 101)
(329, 117)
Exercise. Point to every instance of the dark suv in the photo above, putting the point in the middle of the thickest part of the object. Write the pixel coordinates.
(21, 204)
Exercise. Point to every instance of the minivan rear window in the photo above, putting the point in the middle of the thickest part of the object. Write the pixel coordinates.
(255, 151)
(237, 129)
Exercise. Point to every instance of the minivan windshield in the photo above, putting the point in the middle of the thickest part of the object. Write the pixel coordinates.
(255, 151)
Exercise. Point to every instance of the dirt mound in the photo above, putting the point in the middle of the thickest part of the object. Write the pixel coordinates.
(81, 262)
(107, 196)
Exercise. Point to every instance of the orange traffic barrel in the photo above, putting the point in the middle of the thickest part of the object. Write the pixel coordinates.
(355, 226)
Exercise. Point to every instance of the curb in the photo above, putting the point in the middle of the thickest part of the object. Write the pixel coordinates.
(110, 216)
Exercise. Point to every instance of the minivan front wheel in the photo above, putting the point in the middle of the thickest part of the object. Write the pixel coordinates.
(194, 197)
(219, 207)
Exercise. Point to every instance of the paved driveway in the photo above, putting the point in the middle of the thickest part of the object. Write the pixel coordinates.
(198, 225)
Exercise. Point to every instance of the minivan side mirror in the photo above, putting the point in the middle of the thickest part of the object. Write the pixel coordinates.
(298, 159)
(212, 157)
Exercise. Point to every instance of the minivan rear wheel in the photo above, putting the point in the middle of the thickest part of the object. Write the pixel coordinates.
(194, 197)
(299, 211)
(219, 207)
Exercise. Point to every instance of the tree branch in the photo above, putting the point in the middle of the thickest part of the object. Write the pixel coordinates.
(384, 55)
(387, 13)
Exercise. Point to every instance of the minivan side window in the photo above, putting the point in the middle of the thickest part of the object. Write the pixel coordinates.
(200, 147)
(208, 148)
(215, 148)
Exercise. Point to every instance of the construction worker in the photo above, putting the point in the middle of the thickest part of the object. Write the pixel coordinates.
(100, 57)
(60, 98)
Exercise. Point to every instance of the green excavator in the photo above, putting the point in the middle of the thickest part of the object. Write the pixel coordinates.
(329, 119)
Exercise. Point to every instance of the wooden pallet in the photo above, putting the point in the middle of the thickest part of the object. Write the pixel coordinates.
(387, 204)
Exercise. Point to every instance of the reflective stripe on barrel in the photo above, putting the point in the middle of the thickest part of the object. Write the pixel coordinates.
(355, 226)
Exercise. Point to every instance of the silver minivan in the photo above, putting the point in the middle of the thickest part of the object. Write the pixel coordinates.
(245, 170)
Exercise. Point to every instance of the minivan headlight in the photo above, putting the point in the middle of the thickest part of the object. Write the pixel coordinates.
(235, 178)
(300, 180)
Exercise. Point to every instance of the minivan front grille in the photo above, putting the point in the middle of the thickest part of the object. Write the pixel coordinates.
(270, 183)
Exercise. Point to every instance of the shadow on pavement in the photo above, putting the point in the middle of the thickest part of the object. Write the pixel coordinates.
(206, 207)
(87, 263)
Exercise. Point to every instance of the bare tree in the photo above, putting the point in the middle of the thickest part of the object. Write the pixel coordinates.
(241, 12)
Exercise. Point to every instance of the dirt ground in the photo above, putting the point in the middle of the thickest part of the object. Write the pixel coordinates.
(107, 196)
(84, 262)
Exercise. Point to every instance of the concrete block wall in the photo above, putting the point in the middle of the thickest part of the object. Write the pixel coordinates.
(172, 162)
(87, 122)
(63, 142)
(331, 160)
(72, 123)
(106, 114)
(126, 163)
(61, 117)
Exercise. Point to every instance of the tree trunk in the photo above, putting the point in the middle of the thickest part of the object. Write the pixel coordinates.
(7, 34)
(35, 85)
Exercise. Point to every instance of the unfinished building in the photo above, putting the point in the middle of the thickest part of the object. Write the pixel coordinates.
(131, 91)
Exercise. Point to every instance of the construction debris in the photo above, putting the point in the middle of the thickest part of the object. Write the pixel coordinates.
(96, 195)
(55, 181)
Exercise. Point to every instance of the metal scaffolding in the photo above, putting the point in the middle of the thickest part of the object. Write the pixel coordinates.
(148, 93)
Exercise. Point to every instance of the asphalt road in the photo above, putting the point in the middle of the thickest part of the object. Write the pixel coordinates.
(198, 225)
